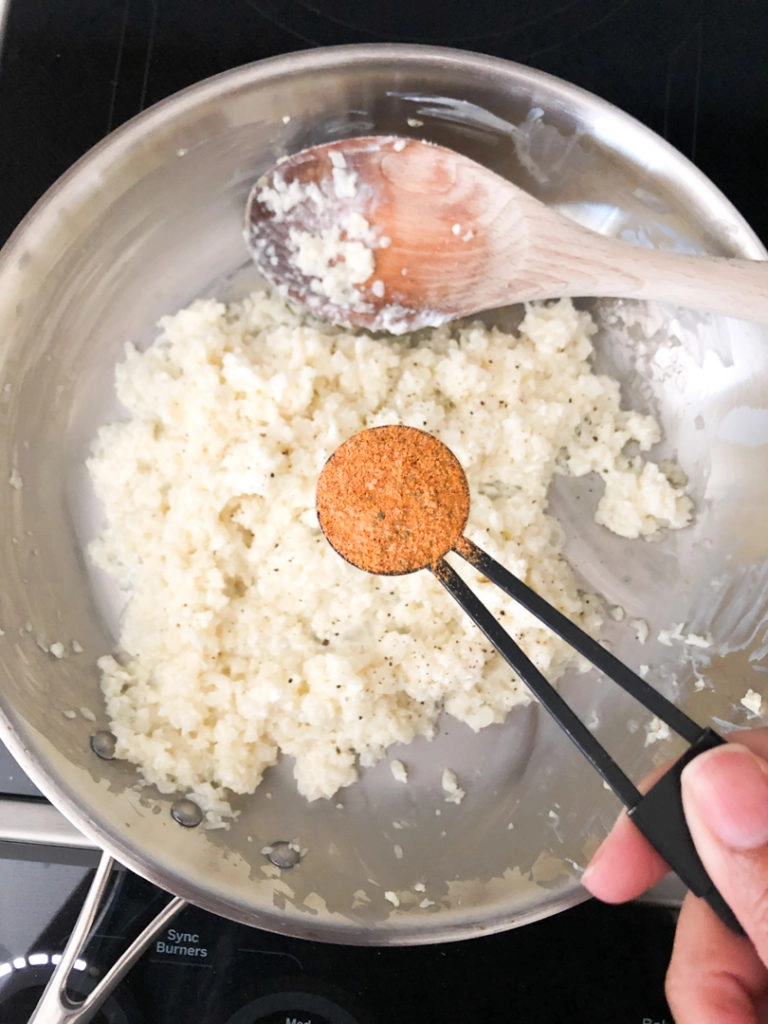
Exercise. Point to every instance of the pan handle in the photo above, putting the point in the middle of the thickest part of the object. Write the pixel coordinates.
(55, 1006)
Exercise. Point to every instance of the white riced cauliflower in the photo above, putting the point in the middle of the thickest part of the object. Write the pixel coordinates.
(246, 635)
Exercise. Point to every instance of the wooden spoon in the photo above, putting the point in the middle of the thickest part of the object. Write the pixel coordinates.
(396, 234)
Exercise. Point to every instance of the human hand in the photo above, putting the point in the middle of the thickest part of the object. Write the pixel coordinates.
(715, 976)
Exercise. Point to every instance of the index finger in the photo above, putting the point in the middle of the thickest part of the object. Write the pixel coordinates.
(626, 864)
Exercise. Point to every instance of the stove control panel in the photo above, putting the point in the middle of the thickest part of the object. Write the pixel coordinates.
(292, 1008)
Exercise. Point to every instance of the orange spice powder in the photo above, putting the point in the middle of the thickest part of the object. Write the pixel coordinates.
(392, 500)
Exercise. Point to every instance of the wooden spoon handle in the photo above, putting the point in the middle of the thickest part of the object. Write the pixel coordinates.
(731, 287)
(565, 259)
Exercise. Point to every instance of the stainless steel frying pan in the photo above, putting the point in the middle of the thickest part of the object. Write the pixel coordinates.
(151, 219)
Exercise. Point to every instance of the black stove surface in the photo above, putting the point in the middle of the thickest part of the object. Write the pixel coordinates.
(695, 72)
(593, 963)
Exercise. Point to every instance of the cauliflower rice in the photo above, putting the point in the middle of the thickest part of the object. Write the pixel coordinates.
(246, 636)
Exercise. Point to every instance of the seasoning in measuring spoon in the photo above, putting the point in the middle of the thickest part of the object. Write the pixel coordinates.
(392, 500)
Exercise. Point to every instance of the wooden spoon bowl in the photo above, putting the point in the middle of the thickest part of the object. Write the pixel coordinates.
(396, 234)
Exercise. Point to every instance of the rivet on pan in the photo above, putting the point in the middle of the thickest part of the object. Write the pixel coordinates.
(283, 854)
(103, 744)
(186, 813)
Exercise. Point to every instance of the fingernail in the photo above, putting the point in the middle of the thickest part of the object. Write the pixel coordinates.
(589, 869)
(727, 789)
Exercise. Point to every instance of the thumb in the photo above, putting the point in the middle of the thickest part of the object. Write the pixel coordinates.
(725, 797)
